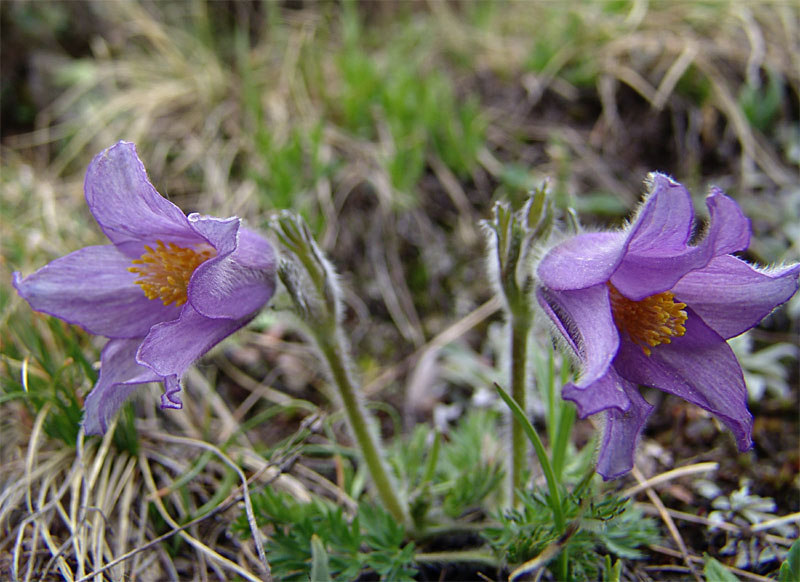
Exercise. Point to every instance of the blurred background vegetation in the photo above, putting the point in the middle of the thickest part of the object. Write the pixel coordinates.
(392, 127)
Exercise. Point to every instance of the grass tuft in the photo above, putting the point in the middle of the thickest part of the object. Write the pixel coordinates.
(391, 127)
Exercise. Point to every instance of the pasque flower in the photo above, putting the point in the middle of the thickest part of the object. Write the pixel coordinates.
(166, 290)
(648, 306)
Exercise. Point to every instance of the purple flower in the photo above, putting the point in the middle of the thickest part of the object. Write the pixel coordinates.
(167, 290)
(644, 306)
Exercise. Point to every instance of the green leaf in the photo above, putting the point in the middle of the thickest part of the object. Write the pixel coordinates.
(320, 572)
(612, 573)
(790, 569)
(714, 571)
(552, 483)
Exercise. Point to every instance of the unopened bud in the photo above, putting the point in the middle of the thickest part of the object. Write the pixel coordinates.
(307, 274)
(512, 236)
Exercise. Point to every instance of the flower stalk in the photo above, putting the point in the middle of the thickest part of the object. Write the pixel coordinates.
(511, 236)
(520, 330)
(337, 361)
(317, 299)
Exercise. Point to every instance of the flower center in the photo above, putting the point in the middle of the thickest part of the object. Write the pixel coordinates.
(164, 272)
(652, 321)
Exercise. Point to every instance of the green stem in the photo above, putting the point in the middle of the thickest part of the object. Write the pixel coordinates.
(357, 416)
(551, 393)
(563, 564)
(519, 444)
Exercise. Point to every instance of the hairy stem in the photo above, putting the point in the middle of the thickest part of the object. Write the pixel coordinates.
(520, 328)
(337, 360)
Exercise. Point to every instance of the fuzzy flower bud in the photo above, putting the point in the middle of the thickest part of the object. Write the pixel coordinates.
(512, 236)
(308, 275)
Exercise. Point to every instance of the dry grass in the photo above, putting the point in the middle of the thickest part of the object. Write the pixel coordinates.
(615, 93)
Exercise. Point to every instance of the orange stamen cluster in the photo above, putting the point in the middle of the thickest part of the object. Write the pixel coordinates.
(164, 272)
(652, 321)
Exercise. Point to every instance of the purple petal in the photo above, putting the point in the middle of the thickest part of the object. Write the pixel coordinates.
(664, 222)
(171, 396)
(582, 261)
(663, 225)
(127, 207)
(93, 288)
(658, 240)
(171, 347)
(255, 251)
(608, 391)
(699, 367)
(656, 259)
(584, 318)
(732, 296)
(621, 435)
(120, 375)
(730, 230)
(220, 233)
(240, 279)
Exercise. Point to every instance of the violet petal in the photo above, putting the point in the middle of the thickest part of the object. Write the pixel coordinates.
(582, 261)
(220, 233)
(127, 207)
(120, 376)
(732, 296)
(664, 223)
(171, 347)
(255, 251)
(730, 228)
(606, 392)
(231, 285)
(171, 396)
(699, 367)
(621, 435)
(654, 262)
(584, 316)
(93, 288)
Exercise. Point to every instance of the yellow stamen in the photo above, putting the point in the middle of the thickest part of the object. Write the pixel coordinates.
(652, 321)
(164, 272)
